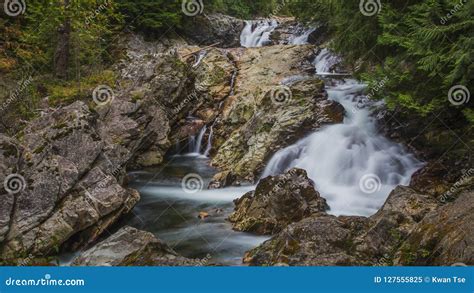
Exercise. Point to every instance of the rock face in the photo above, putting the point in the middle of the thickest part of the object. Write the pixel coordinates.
(325, 240)
(277, 202)
(275, 103)
(132, 247)
(214, 28)
(444, 237)
(66, 189)
(73, 159)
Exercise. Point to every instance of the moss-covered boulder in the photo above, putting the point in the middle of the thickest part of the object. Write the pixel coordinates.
(277, 202)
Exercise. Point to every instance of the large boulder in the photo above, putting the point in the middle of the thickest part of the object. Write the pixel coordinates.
(275, 102)
(214, 28)
(444, 237)
(323, 239)
(320, 240)
(73, 159)
(132, 247)
(276, 202)
(61, 164)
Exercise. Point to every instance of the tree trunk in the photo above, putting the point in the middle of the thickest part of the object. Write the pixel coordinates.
(62, 54)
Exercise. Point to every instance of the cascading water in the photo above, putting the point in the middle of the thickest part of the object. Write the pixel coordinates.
(197, 145)
(352, 165)
(301, 39)
(325, 61)
(209, 142)
(199, 58)
(336, 158)
(257, 33)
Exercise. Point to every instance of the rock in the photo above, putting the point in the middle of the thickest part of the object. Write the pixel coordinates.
(74, 158)
(429, 179)
(132, 247)
(276, 202)
(68, 189)
(203, 215)
(395, 220)
(444, 237)
(214, 28)
(319, 36)
(433, 142)
(222, 179)
(255, 122)
(321, 239)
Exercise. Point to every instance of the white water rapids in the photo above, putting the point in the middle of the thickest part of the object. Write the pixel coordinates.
(257, 33)
(352, 165)
(336, 157)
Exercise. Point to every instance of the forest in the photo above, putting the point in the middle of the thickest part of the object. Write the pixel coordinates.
(236, 132)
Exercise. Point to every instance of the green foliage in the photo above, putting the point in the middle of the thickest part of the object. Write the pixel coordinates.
(93, 23)
(244, 8)
(423, 47)
(151, 16)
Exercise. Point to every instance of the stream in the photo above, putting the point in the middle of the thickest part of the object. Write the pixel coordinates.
(336, 158)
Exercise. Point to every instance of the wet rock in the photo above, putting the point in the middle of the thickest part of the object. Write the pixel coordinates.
(395, 220)
(319, 36)
(444, 237)
(203, 215)
(214, 28)
(277, 202)
(74, 158)
(223, 179)
(275, 103)
(132, 247)
(321, 239)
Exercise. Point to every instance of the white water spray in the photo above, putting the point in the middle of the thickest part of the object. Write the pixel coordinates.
(346, 160)
(257, 33)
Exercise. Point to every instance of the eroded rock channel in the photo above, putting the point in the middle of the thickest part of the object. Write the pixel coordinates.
(251, 151)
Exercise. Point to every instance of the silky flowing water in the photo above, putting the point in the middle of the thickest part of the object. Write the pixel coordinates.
(338, 159)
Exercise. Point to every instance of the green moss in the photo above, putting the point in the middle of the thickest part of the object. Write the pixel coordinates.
(64, 93)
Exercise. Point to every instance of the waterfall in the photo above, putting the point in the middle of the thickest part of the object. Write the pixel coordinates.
(325, 61)
(191, 144)
(199, 58)
(209, 142)
(257, 33)
(301, 39)
(352, 165)
(198, 142)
